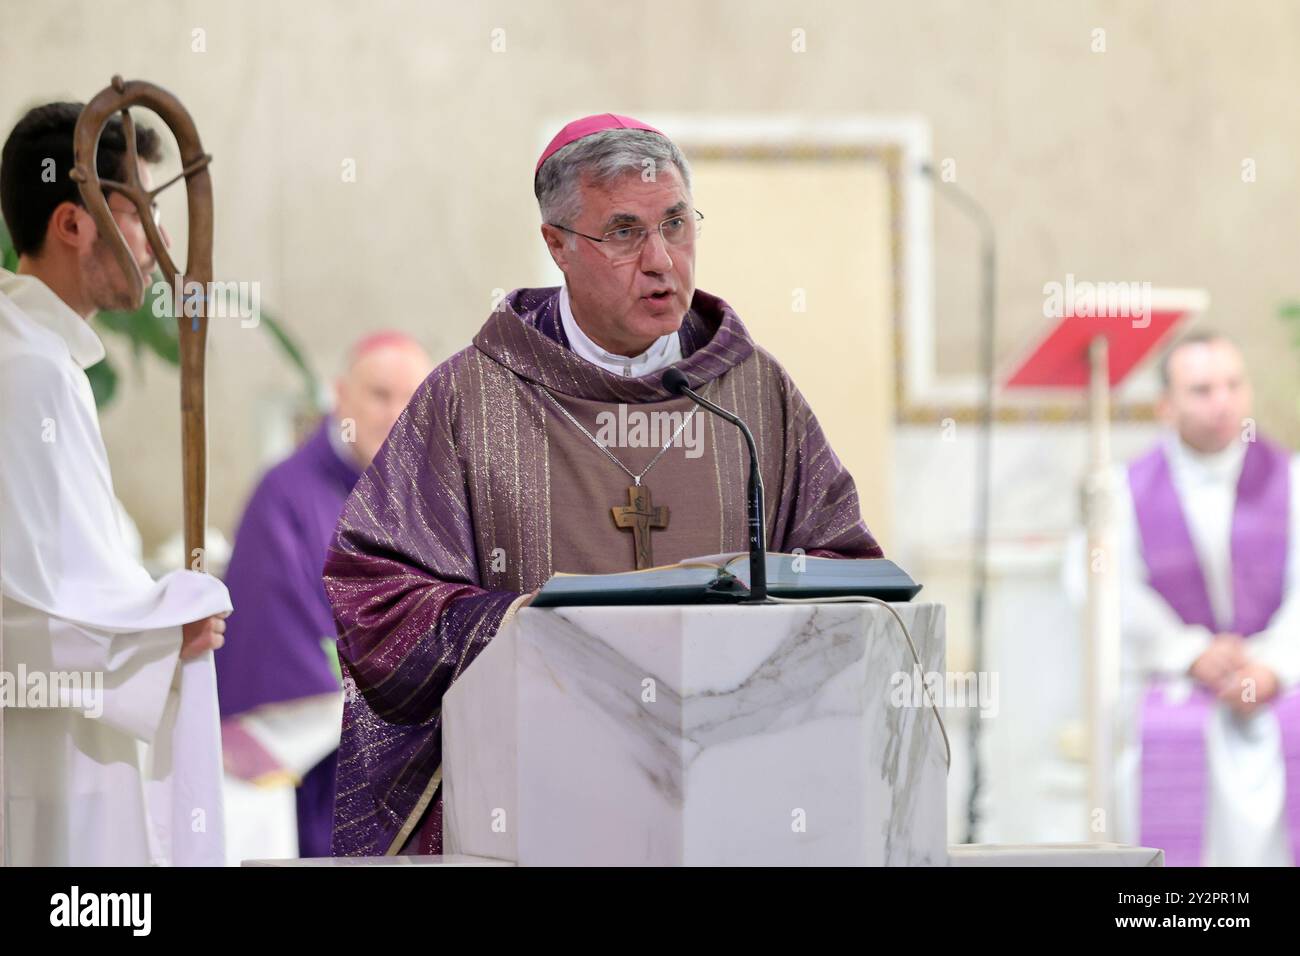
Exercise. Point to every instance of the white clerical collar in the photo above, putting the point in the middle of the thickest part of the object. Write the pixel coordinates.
(39, 302)
(1224, 465)
(663, 352)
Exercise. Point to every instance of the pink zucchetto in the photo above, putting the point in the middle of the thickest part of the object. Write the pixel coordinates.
(580, 128)
(379, 340)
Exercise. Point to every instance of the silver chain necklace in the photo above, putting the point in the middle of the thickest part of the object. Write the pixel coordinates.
(636, 479)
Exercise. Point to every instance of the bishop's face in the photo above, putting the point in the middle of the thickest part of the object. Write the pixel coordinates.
(374, 391)
(625, 303)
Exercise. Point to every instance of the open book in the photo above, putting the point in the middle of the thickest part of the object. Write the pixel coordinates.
(724, 578)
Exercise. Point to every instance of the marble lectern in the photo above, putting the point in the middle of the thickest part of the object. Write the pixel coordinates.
(699, 735)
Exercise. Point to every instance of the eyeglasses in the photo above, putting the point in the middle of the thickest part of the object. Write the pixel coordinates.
(133, 211)
(626, 242)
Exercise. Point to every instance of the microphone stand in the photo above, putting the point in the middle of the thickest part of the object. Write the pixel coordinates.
(676, 382)
(983, 477)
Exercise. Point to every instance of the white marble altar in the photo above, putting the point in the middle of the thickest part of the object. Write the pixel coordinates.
(707, 735)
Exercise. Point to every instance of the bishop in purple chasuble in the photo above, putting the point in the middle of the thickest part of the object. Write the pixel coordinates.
(485, 488)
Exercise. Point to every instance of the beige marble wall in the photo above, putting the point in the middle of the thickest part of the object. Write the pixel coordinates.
(1123, 164)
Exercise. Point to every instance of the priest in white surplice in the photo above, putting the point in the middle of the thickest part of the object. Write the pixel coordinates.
(1207, 530)
(122, 765)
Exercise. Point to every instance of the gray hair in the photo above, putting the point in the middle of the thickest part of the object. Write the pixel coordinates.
(602, 157)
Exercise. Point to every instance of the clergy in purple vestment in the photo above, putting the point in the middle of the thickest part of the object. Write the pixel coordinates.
(279, 690)
(512, 461)
(1211, 625)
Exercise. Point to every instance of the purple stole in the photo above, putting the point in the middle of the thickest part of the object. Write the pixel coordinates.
(1174, 794)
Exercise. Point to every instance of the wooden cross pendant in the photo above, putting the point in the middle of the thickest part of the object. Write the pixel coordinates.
(640, 515)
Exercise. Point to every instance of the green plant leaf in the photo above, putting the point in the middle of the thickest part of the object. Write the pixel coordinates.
(310, 381)
(145, 330)
(8, 258)
(103, 382)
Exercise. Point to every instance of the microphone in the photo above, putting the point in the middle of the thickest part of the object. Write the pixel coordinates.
(676, 383)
